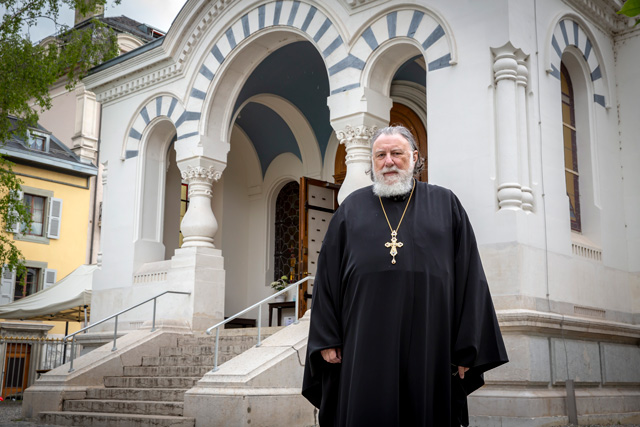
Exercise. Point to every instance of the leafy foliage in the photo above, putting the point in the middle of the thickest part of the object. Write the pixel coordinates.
(631, 8)
(28, 71)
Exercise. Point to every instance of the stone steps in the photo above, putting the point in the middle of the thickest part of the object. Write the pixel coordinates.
(90, 419)
(143, 407)
(204, 360)
(165, 371)
(153, 394)
(203, 350)
(151, 382)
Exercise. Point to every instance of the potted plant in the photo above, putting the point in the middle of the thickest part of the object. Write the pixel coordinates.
(279, 285)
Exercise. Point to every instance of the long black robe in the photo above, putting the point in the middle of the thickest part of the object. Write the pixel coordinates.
(403, 328)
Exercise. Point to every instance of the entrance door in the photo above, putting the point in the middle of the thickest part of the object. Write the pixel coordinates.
(16, 369)
(318, 202)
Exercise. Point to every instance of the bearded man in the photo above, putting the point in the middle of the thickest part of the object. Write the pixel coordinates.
(402, 322)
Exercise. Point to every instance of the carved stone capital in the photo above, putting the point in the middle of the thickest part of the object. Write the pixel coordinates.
(201, 174)
(355, 135)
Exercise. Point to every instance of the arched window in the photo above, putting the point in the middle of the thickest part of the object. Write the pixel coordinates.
(287, 231)
(572, 177)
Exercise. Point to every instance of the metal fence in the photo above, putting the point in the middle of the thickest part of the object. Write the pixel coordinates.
(24, 359)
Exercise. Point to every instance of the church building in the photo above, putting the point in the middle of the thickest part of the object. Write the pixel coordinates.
(227, 144)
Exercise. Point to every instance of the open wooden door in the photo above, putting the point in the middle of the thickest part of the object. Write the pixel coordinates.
(318, 202)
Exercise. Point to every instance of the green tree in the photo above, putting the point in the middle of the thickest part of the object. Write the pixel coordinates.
(631, 8)
(27, 72)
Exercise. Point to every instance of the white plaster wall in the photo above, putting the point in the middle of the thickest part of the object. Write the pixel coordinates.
(628, 91)
(234, 228)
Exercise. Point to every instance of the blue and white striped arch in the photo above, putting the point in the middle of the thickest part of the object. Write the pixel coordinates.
(414, 24)
(340, 65)
(166, 106)
(570, 33)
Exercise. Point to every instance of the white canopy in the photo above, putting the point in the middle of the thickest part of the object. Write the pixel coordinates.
(64, 301)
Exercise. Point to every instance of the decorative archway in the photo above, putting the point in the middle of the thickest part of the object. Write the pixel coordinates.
(161, 106)
(570, 31)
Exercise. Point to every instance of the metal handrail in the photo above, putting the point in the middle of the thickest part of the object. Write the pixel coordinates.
(259, 305)
(115, 329)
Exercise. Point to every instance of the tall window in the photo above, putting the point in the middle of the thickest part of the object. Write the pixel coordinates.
(28, 284)
(287, 231)
(572, 177)
(36, 205)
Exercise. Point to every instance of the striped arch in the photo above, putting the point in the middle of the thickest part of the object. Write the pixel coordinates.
(568, 32)
(296, 14)
(165, 105)
(415, 24)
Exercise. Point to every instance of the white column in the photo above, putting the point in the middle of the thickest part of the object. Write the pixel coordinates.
(355, 115)
(505, 68)
(199, 224)
(86, 128)
(357, 159)
(523, 131)
(198, 267)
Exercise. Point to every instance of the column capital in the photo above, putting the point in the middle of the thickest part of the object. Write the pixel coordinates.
(355, 134)
(209, 174)
(506, 61)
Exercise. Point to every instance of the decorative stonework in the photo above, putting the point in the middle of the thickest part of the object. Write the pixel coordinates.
(209, 174)
(144, 78)
(603, 14)
(356, 141)
(358, 5)
(207, 20)
(160, 106)
(199, 224)
(505, 69)
(357, 158)
(569, 31)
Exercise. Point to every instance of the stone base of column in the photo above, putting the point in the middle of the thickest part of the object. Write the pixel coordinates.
(200, 270)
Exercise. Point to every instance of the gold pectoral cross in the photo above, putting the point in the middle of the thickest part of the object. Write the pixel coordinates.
(393, 245)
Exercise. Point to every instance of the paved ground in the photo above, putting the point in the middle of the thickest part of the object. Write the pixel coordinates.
(11, 416)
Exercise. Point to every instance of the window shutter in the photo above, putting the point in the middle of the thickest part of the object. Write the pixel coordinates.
(6, 286)
(15, 227)
(55, 217)
(49, 277)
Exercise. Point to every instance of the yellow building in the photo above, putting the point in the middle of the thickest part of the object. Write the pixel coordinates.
(55, 186)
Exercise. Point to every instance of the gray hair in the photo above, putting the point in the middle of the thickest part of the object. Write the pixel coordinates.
(406, 134)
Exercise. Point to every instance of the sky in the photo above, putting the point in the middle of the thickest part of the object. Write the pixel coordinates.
(156, 13)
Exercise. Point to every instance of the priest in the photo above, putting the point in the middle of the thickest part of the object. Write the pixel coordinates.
(402, 323)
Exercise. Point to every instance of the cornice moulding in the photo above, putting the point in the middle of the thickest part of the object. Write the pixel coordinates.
(603, 14)
(573, 327)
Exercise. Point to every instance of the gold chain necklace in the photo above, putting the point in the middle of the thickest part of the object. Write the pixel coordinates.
(394, 244)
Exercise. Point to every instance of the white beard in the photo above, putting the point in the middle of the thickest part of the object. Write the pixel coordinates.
(400, 184)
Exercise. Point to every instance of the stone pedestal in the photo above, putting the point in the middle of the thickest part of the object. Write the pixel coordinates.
(199, 270)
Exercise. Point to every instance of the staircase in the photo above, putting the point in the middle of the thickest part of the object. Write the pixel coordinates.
(153, 394)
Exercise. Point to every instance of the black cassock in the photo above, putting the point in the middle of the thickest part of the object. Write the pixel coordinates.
(403, 328)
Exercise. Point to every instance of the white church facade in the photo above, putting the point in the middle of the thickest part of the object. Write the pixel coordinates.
(527, 110)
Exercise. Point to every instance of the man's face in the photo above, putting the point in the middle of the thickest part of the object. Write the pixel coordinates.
(393, 160)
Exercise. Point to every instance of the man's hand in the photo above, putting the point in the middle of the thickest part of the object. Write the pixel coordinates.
(333, 355)
(461, 371)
